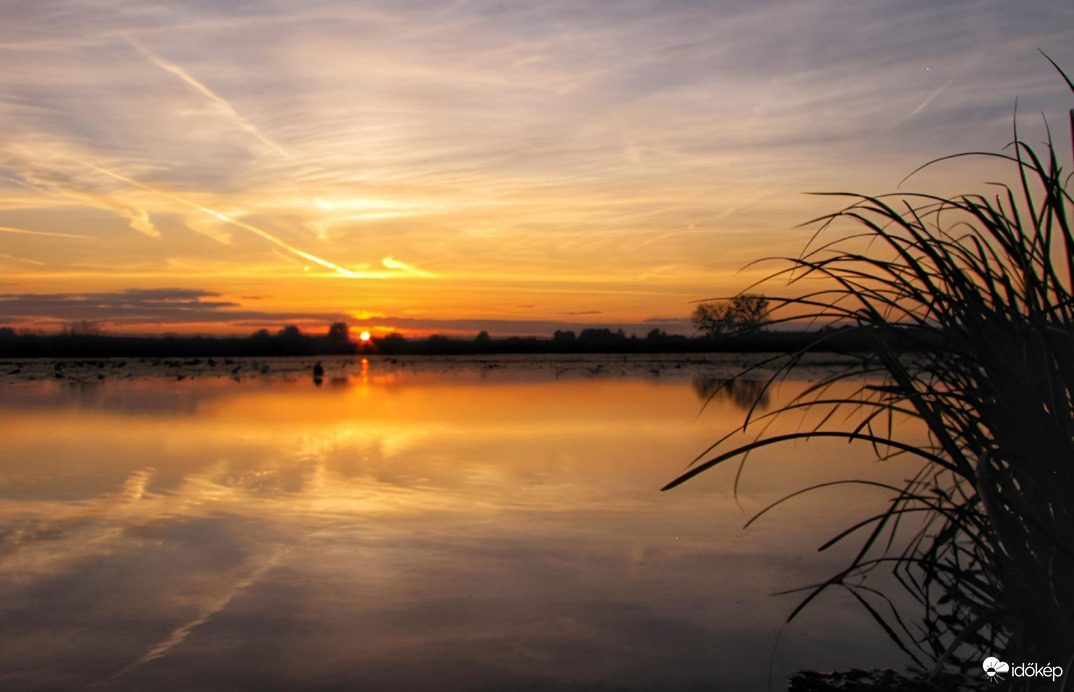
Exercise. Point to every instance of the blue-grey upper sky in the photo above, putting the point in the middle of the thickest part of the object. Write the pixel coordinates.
(482, 160)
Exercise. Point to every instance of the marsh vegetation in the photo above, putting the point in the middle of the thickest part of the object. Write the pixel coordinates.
(982, 537)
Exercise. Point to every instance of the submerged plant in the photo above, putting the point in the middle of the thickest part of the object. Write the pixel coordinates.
(967, 304)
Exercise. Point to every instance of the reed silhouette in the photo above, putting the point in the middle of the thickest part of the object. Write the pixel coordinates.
(982, 537)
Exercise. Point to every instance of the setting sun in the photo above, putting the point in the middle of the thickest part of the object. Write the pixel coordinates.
(582, 232)
(245, 188)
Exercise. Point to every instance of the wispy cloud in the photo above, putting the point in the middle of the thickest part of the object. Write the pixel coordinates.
(221, 103)
(647, 150)
(260, 232)
(46, 234)
(35, 176)
(228, 219)
(145, 309)
(24, 260)
(142, 309)
(402, 266)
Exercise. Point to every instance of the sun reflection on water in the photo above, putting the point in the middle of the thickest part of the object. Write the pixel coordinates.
(508, 528)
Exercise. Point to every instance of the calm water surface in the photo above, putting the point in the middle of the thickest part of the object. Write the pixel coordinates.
(433, 525)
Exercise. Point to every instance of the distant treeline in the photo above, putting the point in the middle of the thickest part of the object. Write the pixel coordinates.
(290, 341)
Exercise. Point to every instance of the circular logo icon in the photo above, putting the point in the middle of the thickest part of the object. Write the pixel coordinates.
(993, 667)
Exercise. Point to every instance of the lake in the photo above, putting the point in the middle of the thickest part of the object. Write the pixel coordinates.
(413, 524)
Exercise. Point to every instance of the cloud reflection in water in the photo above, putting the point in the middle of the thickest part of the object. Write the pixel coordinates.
(413, 531)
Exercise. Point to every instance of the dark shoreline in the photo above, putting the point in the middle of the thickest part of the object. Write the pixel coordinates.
(705, 367)
(26, 345)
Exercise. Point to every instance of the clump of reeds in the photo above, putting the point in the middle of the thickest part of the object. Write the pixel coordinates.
(967, 302)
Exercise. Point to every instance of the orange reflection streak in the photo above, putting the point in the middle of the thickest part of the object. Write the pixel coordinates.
(645, 432)
(216, 497)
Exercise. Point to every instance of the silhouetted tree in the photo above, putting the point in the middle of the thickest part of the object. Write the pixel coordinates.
(292, 342)
(601, 336)
(339, 333)
(82, 328)
(564, 337)
(744, 314)
(483, 338)
(338, 340)
(393, 343)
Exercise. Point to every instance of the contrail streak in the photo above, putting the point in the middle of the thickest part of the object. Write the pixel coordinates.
(4, 255)
(396, 264)
(930, 99)
(224, 217)
(29, 175)
(180, 634)
(917, 111)
(207, 92)
(7, 229)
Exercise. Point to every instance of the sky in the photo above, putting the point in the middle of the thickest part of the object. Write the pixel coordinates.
(214, 166)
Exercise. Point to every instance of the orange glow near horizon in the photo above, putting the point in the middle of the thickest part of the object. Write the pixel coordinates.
(526, 172)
